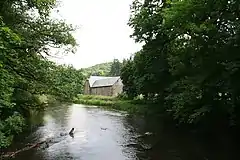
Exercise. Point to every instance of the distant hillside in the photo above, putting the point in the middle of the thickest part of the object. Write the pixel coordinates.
(98, 69)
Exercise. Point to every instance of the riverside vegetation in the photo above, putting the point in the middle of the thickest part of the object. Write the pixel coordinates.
(189, 62)
(135, 106)
(26, 35)
(27, 78)
(188, 66)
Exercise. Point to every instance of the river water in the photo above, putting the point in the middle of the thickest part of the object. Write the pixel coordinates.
(110, 135)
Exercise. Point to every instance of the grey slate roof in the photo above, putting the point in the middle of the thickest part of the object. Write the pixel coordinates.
(92, 79)
(100, 81)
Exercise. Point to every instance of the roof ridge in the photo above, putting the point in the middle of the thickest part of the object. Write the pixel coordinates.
(105, 82)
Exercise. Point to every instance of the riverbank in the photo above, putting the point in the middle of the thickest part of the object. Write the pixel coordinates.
(131, 106)
(148, 109)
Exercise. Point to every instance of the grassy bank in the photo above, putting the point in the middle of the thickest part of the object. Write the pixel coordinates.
(131, 106)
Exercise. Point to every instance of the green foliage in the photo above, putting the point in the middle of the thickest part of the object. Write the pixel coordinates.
(189, 60)
(98, 70)
(94, 102)
(131, 106)
(129, 79)
(9, 127)
(115, 68)
(66, 82)
(104, 69)
(13, 125)
(96, 97)
(26, 35)
(5, 141)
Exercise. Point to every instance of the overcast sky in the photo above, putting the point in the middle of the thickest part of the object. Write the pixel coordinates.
(103, 34)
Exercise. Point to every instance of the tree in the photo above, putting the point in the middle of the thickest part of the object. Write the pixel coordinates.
(128, 78)
(66, 82)
(101, 69)
(25, 40)
(189, 57)
(115, 68)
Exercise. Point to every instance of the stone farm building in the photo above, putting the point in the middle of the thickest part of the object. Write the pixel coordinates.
(106, 86)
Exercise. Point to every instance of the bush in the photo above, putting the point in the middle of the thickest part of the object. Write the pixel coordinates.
(11, 126)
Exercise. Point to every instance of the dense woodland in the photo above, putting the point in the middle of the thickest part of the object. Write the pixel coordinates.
(190, 59)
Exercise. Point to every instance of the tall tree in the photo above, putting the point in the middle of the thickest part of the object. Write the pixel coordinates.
(115, 68)
(128, 78)
(26, 35)
(189, 57)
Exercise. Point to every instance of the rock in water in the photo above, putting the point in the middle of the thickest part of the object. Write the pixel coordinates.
(103, 128)
(63, 134)
(148, 133)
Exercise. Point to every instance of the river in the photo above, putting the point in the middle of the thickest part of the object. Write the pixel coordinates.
(110, 135)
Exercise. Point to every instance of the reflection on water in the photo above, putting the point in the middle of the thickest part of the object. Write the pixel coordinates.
(108, 135)
(99, 134)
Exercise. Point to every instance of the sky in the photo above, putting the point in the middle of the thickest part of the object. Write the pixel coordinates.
(103, 32)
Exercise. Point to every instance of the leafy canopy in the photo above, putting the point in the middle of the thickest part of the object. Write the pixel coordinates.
(27, 33)
(189, 60)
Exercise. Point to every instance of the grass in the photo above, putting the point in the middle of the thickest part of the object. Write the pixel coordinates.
(131, 106)
(95, 102)
(96, 97)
